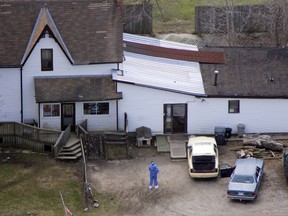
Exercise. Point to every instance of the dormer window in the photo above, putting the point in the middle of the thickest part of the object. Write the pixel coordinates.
(46, 59)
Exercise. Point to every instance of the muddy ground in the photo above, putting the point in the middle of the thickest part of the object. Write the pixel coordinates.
(178, 194)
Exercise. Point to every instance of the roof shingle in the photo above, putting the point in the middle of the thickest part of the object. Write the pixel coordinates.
(91, 30)
(248, 72)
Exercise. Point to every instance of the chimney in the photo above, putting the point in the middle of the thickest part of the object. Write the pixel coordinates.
(215, 80)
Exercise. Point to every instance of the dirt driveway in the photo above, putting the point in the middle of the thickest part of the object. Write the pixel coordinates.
(178, 194)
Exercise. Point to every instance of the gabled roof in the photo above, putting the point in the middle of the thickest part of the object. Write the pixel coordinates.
(43, 22)
(248, 73)
(89, 32)
(75, 88)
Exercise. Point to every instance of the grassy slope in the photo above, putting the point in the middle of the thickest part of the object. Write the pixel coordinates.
(177, 16)
(35, 189)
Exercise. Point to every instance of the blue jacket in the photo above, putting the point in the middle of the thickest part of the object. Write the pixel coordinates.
(153, 168)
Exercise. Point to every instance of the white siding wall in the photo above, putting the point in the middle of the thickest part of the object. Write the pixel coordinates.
(144, 106)
(61, 67)
(258, 116)
(10, 95)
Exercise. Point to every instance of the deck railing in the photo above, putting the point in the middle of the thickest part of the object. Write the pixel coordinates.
(81, 128)
(18, 135)
(63, 138)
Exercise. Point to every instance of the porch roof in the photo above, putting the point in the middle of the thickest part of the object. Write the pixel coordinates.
(75, 89)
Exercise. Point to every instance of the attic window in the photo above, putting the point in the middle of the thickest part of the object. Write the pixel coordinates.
(233, 106)
(46, 59)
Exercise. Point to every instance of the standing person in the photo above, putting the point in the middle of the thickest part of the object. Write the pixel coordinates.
(154, 170)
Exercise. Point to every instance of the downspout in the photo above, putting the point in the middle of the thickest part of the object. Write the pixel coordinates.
(21, 91)
(117, 117)
(39, 123)
(117, 112)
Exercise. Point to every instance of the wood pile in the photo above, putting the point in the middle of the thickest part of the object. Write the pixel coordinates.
(260, 146)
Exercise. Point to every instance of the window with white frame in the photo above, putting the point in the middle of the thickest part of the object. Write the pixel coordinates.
(233, 106)
(51, 110)
(100, 108)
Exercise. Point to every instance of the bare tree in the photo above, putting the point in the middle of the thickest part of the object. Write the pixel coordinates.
(276, 21)
(138, 16)
(239, 24)
(228, 21)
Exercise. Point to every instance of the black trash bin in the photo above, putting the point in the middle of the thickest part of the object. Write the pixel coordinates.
(220, 135)
(228, 132)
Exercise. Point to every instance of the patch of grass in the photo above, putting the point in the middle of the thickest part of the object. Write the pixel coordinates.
(35, 189)
(178, 16)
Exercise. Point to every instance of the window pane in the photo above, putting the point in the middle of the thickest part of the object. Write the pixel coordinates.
(50, 110)
(102, 108)
(179, 110)
(89, 108)
(46, 110)
(46, 59)
(55, 110)
(233, 106)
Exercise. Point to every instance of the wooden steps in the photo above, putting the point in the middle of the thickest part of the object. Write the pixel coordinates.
(71, 150)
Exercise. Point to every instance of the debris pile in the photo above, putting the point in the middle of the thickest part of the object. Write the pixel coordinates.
(260, 146)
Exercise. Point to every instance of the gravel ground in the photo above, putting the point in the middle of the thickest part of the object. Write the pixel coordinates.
(178, 194)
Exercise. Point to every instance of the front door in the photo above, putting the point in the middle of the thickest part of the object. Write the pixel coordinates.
(175, 118)
(68, 116)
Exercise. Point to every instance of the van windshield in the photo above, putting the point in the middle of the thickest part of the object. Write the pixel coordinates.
(203, 162)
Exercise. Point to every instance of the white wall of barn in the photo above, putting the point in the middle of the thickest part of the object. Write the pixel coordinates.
(144, 106)
(61, 67)
(257, 115)
(10, 94)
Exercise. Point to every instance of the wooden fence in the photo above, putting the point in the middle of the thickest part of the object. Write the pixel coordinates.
(18, 135)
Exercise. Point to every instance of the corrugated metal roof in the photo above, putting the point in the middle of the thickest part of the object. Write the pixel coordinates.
(157, 42)
(173, 75)
(186, 39)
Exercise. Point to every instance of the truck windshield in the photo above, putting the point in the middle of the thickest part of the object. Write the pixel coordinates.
(203, 162)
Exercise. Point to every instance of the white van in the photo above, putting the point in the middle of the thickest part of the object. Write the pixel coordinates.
(202, 156)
